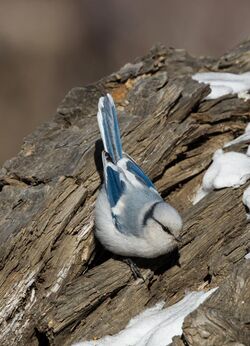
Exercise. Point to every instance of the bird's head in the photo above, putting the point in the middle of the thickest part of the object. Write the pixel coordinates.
(168, 219)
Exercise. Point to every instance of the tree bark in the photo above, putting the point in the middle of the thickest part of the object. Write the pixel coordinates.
(58, 286)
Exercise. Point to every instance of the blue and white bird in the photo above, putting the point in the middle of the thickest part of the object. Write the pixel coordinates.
(131, 218)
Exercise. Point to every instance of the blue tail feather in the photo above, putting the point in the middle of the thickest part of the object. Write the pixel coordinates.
(109, 128)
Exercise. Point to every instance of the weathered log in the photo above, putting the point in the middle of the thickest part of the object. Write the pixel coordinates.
(224, 318)
(56, 286)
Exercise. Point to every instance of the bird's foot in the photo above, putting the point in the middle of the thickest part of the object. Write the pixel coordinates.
(134, 269)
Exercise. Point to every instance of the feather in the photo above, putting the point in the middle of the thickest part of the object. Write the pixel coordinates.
(133, 168)
(109, 128)
(113, 183)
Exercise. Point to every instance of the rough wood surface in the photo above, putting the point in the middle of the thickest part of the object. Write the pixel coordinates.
(56, 285)
(224, 318)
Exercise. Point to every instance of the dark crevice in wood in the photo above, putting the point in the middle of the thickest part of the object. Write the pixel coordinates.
(29, 181)
(164, 263)
(208, 278)
(42, 338)
(246, 209)
(2, 184)
(101, 255)
(179, 157)
(198, 142)
(184, 340)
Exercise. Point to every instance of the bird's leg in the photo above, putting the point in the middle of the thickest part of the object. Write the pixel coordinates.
(134, 269)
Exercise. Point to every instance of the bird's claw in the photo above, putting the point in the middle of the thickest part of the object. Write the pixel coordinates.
(134, 269)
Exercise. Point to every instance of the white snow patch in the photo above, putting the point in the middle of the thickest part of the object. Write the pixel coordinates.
(229, 169)
(243, 139)
(155, 326)
(225, 83)
(244, 95)
(201, 193)
(247, 256)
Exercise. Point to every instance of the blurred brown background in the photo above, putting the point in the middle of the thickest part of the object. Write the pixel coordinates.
(48, 47)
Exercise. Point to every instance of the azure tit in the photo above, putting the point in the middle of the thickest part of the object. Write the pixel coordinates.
(131, 218)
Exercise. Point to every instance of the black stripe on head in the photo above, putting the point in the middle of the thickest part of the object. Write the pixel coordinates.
(149, 214)
(164, 228)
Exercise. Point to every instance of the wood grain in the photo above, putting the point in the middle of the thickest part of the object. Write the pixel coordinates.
(57, 285)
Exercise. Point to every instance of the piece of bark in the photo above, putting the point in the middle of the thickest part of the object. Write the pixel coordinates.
(224, 318)
(55, 288)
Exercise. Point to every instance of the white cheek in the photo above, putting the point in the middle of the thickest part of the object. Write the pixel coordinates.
(153, 229)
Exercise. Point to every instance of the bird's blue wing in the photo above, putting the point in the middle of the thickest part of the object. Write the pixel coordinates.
(113, 183)
(133, 168)
(109, 128)
(124, 196)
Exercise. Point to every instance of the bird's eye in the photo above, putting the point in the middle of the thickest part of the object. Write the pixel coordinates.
(165, 229)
